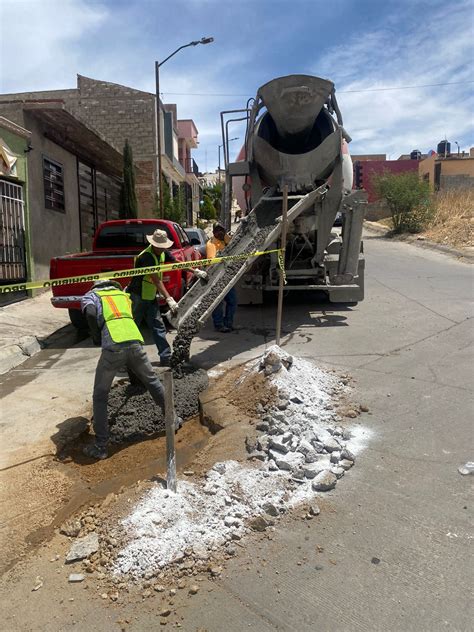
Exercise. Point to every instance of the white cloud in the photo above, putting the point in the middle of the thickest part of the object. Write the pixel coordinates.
(438, 50)
(41, 42)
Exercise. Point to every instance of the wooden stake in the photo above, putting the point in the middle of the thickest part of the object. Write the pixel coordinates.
(170, 430)
(284, 230)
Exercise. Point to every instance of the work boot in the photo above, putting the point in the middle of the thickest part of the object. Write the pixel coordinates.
(94, 451)
(178, 422)
(223, 329)
(165, 362)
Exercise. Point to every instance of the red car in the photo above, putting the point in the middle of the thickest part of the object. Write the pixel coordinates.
(116, 244)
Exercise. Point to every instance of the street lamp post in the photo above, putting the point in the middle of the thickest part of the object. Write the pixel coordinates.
(219, 155)
(203, 40)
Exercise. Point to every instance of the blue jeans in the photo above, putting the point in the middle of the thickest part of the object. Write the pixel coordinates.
(225, 318)
(134, 357)
(150, 312)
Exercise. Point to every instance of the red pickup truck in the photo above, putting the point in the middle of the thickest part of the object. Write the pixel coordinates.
(116, 244)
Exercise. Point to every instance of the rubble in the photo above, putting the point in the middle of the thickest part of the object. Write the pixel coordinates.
(296, 454)
(82, 548)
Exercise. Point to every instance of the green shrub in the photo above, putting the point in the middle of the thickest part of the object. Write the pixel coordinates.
(408, 198)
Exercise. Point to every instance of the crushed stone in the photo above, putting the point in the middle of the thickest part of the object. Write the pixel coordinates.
(288, 465)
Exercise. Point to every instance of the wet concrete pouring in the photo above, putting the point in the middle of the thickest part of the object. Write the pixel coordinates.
(250, 237)
(133, 414)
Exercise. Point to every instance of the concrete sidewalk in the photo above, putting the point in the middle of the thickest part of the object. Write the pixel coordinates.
(24, 326)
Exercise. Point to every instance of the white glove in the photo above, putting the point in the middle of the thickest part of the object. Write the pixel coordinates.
(201, 274)
(172, 304)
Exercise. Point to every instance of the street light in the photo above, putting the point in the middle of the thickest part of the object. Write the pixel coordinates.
(203, 40)
(219, 154)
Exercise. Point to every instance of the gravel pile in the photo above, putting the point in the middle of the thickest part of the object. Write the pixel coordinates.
(301, 451)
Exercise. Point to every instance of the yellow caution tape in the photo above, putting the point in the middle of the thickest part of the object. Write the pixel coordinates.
(281, 263)
(118, 274)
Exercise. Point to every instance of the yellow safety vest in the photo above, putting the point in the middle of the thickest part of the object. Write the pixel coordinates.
(117, 312)
(148, 287)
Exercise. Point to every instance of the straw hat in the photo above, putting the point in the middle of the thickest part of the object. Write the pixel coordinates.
(159, 239)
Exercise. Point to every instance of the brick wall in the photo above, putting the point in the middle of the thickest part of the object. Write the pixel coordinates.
(458, 181)
(117, 113)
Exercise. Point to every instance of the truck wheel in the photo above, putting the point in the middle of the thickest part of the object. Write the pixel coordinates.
(78, 319)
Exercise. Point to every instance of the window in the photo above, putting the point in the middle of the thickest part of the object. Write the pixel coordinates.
(53, 185)
(128, 235)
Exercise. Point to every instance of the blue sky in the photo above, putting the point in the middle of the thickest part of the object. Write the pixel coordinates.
(363, 46)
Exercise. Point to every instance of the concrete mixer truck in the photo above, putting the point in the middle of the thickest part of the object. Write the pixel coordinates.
(294, 137)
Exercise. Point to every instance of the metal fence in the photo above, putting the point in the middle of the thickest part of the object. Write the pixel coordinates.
(12, 236)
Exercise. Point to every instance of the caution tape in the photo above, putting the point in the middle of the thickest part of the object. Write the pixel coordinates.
(119, 274)
(281, 263)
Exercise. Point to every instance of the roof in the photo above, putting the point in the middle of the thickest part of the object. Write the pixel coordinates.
(64, 129)
(14, 128)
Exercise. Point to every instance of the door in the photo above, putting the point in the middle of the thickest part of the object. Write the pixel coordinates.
(99, 197)
(12, 239)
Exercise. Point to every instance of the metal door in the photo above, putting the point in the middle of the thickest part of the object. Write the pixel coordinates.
(12, 238)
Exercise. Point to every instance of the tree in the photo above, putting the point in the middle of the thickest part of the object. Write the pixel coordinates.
(408, 198)
(172, 206)
(207, 210)
(128, 197)
(211, 206)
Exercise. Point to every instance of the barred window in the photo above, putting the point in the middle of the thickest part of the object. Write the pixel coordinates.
(53, 185)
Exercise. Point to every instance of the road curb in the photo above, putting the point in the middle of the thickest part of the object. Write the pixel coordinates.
(421, 243)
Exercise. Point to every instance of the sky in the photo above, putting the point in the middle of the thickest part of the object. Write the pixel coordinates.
(403, 69)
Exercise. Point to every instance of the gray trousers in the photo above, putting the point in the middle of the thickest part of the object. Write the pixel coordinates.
(134, 357)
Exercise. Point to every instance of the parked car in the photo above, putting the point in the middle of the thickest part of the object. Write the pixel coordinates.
(198, 239)
(116, 244)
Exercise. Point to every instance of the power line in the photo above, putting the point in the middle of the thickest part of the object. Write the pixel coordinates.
(424, 85)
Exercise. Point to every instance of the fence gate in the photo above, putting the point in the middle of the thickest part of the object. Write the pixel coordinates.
(12, 239)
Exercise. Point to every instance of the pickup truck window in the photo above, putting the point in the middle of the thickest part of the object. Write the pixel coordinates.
(128, 236)
(182, 235)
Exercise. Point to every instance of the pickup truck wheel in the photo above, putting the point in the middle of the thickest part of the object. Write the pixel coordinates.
(78, 319)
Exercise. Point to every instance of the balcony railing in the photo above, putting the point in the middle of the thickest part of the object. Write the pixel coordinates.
(191, 166)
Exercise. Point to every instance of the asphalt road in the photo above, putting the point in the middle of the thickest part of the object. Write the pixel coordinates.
(390, 550)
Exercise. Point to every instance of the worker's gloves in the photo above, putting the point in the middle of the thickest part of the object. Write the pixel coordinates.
(201, 274)
(172, 304)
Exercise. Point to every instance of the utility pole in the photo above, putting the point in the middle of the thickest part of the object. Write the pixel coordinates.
(203, 40)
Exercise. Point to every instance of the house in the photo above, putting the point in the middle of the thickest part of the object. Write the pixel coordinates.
(188, 140)
(120, 113)
(453, 171)
(367, 170)
(70, 181)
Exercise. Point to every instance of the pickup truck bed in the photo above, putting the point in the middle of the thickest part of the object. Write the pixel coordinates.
(130, 238)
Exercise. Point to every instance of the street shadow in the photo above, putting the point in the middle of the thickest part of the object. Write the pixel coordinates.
(303, 314)
(69, 431)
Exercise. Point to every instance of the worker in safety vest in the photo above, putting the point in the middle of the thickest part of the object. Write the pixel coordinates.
(143, 291)
(223, 319)
(108, 311)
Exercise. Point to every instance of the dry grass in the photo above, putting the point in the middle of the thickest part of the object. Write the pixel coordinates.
(453, 219)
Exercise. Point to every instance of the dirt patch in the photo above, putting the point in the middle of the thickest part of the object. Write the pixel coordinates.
(248, 395)
(37, 497)
(31, 495)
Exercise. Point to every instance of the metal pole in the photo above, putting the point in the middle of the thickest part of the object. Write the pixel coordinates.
(170, 430)
(158, 139)
(219, 165)
(284, 229)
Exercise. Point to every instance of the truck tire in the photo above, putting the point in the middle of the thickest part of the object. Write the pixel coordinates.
(78, 319)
